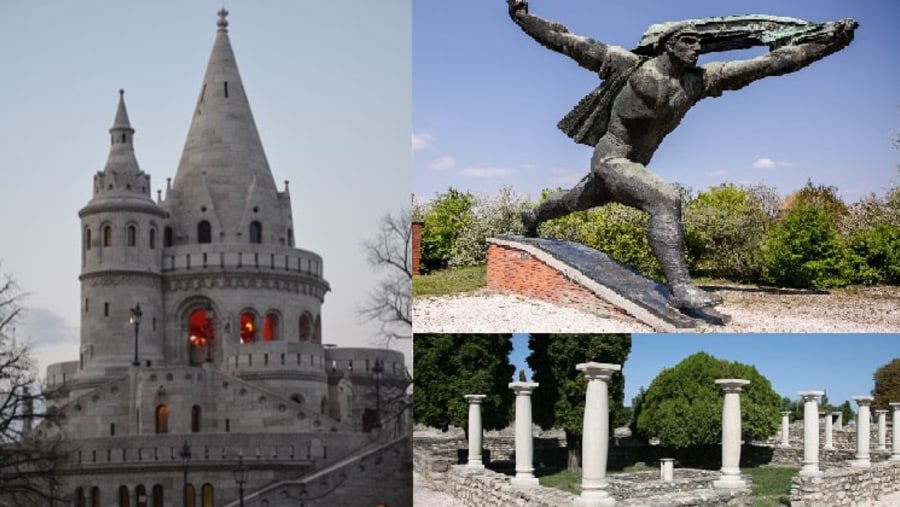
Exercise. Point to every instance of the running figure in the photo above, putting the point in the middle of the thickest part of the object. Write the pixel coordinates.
(642, 99)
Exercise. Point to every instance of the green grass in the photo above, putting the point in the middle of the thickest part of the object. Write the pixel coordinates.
(771, 485)
(449, 281)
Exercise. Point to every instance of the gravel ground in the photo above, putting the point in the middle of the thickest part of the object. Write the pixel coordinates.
(752, 309)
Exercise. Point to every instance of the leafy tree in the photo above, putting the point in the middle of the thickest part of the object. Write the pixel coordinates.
(887, 385)
(491, 216)
(30, 463)
(820, 197)
(847, 412)
(683, 405)
(389, 303)
(450, 366)
(559, 401)
(445, 219)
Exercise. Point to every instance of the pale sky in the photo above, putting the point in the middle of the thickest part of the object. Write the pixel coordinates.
(329, 84)
(487, 99)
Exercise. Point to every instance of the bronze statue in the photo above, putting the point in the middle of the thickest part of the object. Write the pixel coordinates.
(645, 94)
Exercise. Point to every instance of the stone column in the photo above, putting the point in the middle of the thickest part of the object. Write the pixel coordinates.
(667, 469)
(838, 420)
(731, 434)
(882, 429)
(785, 429)
(524, 439)
(829, 431)
(475, 430)
(810, 433)
(595, 435)
(862, 432)
(895, 441)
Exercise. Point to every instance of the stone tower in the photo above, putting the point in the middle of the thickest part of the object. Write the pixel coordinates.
(121, 261)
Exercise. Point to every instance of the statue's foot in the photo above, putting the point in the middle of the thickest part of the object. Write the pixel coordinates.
(688, 296)
(530, 223)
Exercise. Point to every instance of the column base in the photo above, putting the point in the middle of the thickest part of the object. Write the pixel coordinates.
(524, 481)
(474, 465)
(595, 498)
(829, 448)
(861, 463)
(730, 482)
(810, 471)
(894, 457)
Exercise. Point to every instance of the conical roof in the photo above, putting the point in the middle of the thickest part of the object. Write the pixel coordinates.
(223, 176)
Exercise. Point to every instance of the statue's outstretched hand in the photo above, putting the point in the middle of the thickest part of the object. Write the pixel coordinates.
(517, 5)
(844, 29)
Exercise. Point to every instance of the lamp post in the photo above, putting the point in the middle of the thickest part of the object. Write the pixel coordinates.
(135, 320)
(209, 333)
(185, 459)
(240, 477)
(377, 371)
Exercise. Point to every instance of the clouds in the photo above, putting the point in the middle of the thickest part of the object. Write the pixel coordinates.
(421, 140)
(441, 163)
(485, 172)
(768, 163)
(43, 327)
(444, 163)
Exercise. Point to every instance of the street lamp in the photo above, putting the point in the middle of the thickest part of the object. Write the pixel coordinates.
(209, 333)
(240, 477)
(135, 320)
(185, 459)
(377, 371)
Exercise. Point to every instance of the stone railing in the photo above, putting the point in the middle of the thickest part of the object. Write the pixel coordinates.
(846, 487)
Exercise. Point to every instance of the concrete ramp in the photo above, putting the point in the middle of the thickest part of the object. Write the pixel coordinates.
(569, 273)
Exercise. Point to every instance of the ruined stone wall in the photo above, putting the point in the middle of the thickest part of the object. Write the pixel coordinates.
(846, 487)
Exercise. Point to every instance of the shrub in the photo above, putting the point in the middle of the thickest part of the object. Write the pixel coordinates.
(491, 216)
(880, 247)
(445, 219)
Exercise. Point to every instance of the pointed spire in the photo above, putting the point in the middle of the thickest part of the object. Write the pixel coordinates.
(121, 122)
(222, 23)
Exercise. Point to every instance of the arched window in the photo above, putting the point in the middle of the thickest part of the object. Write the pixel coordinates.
(305, 327)
(79, 498)
(152, 238)
(158, 496)
(270, 327)
(167, 237)
(317, 332)
(124, 497)
(132, 235)
(207, 492)
(204, 232)
(107, 236)
(190, 496)
(195, 419)
(162, 419)
(201, 332)
(140, 496)
(95, 497)
(248, 327)
(87, 238)
(290, 237)
(255, 232)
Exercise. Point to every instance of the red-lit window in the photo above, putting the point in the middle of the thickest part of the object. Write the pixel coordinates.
(201, 331)
(248, 327)
(162, 419)
(270, 327)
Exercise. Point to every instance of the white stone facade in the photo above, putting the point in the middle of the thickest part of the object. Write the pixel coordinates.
(230, 356)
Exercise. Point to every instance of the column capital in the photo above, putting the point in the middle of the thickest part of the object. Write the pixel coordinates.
(881, 411)
(837, 412)
(475, 398)
(731, 385)
(863, 401)
(523, 388)
(895, 405)
(598, 371)
(786, 413)
(810, 395)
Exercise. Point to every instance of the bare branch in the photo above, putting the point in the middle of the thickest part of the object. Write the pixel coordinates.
(390, 251)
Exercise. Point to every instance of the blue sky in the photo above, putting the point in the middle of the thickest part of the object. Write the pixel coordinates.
(329, 84)
(840, 364)
(486, 100)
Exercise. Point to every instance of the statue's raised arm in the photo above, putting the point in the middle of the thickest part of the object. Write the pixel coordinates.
(790, 51)
(589, 53)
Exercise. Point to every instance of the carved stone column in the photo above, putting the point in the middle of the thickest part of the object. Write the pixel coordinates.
(862, 432)
(895, 423)
(882, 429)
(731, 434)
(810, 433)
(475, 430)
(524, 439)
(785, 429)
(829, 431)
(595, 435)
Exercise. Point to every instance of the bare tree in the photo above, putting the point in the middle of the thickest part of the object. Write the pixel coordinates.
(30, 461)
(390, 252)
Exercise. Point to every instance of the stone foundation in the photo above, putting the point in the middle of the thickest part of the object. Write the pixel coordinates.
(846, 487)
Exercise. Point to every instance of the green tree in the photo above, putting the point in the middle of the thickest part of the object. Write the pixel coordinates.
(559, 400)
(445, 219)
(491, 216)
(847, 412)
(887, 385)
(450, 366)
(683, 405)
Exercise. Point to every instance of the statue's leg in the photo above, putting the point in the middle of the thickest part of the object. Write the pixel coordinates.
(588, 193)
(632, 184)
